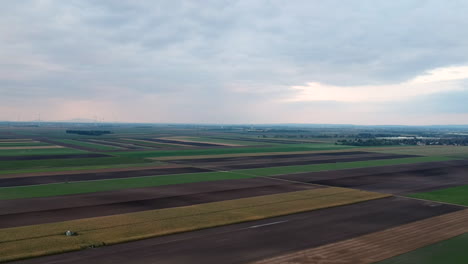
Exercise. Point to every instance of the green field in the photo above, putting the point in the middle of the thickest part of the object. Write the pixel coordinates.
(150, 181)
(270, 171)
(87, 144)
(19, 166)
(195, 152)
(48, 151)
(455, 195)
(451, 251)
(24, 144)
(45, 239)
(226, 141)
(147, 143)
(114, 184)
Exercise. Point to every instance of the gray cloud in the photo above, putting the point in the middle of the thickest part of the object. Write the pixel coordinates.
(226, 54)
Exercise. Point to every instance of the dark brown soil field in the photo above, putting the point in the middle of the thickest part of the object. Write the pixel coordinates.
(234, 163)
(194, 144)
(53, 209)
(63, 156)
(397, 179)
(274, 156)
(257, 240)
(45, 140)
(32, 180)
(114, 144)
(266, 140)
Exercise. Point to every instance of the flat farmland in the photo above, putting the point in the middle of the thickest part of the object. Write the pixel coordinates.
(80, 144)
(451, 251)
(248, 149)
(50, 155)
(248, 162)
(47, 179)
(64, 163)
(455, 195)
(8, 153)
(397, 179)
(92, 185)
(257, 240)
(36, 240)
(198, 196)
(31, 211)
(183, 142)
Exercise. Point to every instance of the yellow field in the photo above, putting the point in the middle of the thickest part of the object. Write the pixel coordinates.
(37, 240)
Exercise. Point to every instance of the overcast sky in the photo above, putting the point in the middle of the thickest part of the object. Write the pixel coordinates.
(252, 61)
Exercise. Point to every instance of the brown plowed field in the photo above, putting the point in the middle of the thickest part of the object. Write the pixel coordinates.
(397, 179)
(45, 140)
(196, 141)
(234, 163)
(32, 180)
(183, 143)
(60, 208)
(257, 240)
(381, 245)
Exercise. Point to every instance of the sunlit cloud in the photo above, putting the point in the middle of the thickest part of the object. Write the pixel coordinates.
(442, 74)
(434, 81)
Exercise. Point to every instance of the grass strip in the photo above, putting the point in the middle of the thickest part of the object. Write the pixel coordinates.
(46, 190)
(454, 195)
(451, 251)
(37, 240)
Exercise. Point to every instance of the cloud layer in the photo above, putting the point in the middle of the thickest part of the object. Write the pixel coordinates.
(362, 62)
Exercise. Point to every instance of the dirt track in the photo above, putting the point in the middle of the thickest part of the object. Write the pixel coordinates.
(252, 241)
(53, 209)
(397, 179)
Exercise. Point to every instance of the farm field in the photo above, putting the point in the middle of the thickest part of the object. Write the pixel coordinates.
(261, 197)
(452, 251)
(7, 153)
(455, 195)
(93, 146)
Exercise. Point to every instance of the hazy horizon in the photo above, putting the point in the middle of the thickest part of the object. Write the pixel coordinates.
(235, 62)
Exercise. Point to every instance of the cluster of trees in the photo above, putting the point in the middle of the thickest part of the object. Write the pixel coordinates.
(411, 141)
(89, 132)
